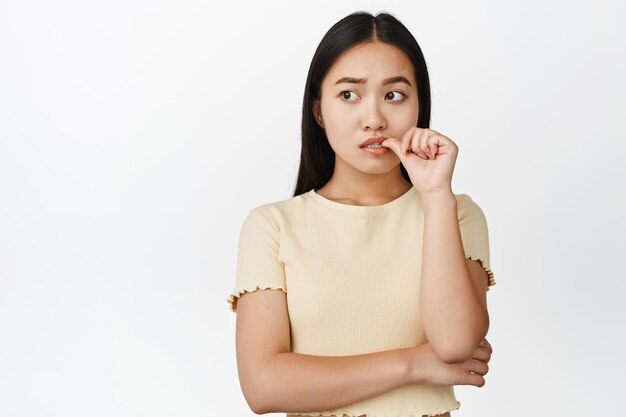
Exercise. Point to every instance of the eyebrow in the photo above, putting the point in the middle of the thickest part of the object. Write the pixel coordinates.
(392, 80)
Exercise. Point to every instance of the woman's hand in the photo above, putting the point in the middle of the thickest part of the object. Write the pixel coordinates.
(430, 370)
(428, 157)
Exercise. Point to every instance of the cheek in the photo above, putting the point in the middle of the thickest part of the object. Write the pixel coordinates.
(408, 117)
(338, 118)
(401, 120)
(332, 108)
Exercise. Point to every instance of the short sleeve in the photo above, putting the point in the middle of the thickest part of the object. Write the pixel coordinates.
(258, 265)
(474, 234)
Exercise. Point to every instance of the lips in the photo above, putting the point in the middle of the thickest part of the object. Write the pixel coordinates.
(373, 139)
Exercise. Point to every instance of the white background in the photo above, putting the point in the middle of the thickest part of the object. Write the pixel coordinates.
(136, 135)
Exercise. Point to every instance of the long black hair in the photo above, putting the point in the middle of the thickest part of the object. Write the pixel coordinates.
(317, 158)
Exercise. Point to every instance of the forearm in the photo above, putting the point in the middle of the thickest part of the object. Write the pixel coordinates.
(451, 310)
(293, 382)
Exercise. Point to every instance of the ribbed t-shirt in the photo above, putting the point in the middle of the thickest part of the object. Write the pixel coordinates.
(351, 275)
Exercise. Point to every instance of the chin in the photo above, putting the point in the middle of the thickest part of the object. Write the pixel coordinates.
(380, 168)
(372, 166)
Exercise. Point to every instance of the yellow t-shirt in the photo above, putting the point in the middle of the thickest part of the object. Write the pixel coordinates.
(352, 279)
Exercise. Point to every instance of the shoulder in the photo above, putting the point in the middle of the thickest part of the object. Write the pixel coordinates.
(464, 199)
(466, 206)
(277, 213)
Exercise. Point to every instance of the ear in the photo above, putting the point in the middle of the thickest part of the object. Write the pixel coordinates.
(317, 115)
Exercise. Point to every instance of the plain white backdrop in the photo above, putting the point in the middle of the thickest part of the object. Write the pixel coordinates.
(136, 135)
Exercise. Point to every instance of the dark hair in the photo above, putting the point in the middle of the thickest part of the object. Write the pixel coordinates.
(317, 158)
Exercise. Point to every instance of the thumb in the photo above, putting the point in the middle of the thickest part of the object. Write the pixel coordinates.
(396, 146)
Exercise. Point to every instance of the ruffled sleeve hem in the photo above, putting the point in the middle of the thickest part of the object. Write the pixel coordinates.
(232, 299)
(491, 282)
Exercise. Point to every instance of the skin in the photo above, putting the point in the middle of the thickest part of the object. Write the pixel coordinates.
(273, 378)
(368, 109)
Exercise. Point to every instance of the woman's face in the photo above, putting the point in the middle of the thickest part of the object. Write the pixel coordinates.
(364, 94)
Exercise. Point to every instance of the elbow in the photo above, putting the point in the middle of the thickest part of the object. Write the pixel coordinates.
(457, 352)
(257, 410)
(258, 391)
(256, 402)
(455, 355)
(258, 395)
(461, 348)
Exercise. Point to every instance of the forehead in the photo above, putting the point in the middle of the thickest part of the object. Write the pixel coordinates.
(374, 61)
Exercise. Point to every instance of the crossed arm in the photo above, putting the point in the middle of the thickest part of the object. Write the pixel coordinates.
(453, 300)
(454, 316)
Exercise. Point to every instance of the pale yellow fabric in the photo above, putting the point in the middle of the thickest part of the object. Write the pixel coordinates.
(352, 279)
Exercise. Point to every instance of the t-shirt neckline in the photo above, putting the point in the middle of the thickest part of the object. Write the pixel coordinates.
(410, 193)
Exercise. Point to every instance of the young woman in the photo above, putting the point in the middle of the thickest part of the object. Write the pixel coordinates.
(365, 293)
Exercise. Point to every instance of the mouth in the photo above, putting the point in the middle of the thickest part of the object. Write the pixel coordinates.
(373, 145)
(375, 149)
(374, 142)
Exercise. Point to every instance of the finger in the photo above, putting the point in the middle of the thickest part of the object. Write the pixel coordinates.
(421, 154)
(431, 140)
(396, 146)
(473, 379)
(480, 381)
(431, 151)
(478, 367)
(488, 345)
(411, 138)
(424, 139)
(482, 354)
(432, 145)
(406, 138)
(415, 144)
(423, 142)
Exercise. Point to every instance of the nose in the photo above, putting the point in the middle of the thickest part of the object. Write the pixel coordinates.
(373, 118)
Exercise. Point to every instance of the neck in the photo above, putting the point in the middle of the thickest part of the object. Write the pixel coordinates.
(363, 189)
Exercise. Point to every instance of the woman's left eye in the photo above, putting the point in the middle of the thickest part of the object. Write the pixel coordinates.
(396, 92)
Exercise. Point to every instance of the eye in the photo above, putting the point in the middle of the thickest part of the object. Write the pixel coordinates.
(396, 92)
(345, 95)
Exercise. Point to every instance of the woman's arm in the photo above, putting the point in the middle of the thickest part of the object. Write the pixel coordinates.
(274, 379)
(452, 294)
